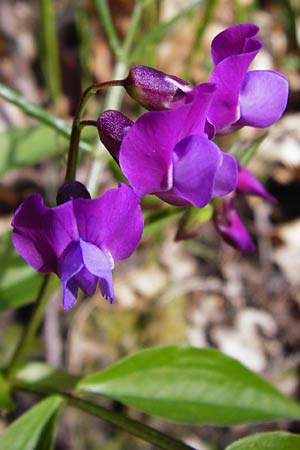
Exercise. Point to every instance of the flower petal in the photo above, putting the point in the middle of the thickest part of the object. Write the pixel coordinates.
(146, 150)
(113, 222)
(233, 41)
(100, 265)
(226, 177)
(249, 184)
(233, 51)
(196, 160)
(69, 265)
(41, 234)
(263, 98)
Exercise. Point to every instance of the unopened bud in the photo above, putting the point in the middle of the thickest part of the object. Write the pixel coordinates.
(231, 228)
(155, 90)
(112, 127)
(248, 184)
(70, 190)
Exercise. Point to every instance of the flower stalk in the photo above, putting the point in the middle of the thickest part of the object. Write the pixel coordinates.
(77, 125)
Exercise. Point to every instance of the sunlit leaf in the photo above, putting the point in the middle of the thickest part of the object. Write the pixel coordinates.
(44, 378)
(191, 385)
(277, 440)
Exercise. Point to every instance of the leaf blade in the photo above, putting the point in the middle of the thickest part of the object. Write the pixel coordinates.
(189, 385)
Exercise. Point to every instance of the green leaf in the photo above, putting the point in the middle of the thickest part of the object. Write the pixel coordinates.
(43, 378)
(29, 431)
(35, 111)
(19, 283)
(5, 398)
(26, 146)
(277, 440)
(191, 385)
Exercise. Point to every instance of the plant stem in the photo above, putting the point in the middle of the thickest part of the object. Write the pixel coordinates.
(131, 426)
(76, 127)
(30, 330)
(135, 20)
(106, 20)
(50, 53)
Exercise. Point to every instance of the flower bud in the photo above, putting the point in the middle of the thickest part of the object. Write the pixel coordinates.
(231, 228)
(70, 190)
(155, 90)
(112, 127)
(249, 184)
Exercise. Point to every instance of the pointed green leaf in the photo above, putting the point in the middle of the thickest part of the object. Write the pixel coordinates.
(277, 440)
(191, 385)
(26, 433)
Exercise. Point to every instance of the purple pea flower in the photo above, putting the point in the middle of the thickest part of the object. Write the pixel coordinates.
(168, 153)
(257, 98)
(80, 240)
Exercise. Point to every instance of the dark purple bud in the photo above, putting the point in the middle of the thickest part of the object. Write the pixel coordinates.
(112, 127)
(155, 90)
(231, 228)
(70, 190)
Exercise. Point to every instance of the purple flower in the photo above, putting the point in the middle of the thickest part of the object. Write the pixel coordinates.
(231, 228)
(257, 98)
(168, 153)
(80, 240)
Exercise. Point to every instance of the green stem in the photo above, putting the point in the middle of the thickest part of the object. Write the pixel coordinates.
(76, 127)
(106, 20)
(131, 426)
(49, 44)
(135, 20)
(30, 330)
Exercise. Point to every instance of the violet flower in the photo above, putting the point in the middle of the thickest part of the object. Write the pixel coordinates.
(80, 240)
(168, 153)
(257, 98)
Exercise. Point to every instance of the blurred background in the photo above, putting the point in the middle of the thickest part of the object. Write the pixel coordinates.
(200, 290)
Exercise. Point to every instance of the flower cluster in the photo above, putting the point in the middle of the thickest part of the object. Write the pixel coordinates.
(169, 152)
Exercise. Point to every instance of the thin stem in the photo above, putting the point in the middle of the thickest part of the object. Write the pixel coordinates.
(131, 426)
(87, 123)
(135, 20)
(49, 44)
(76, 127)
(106, 20)
(112, 101)
(30, 330)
